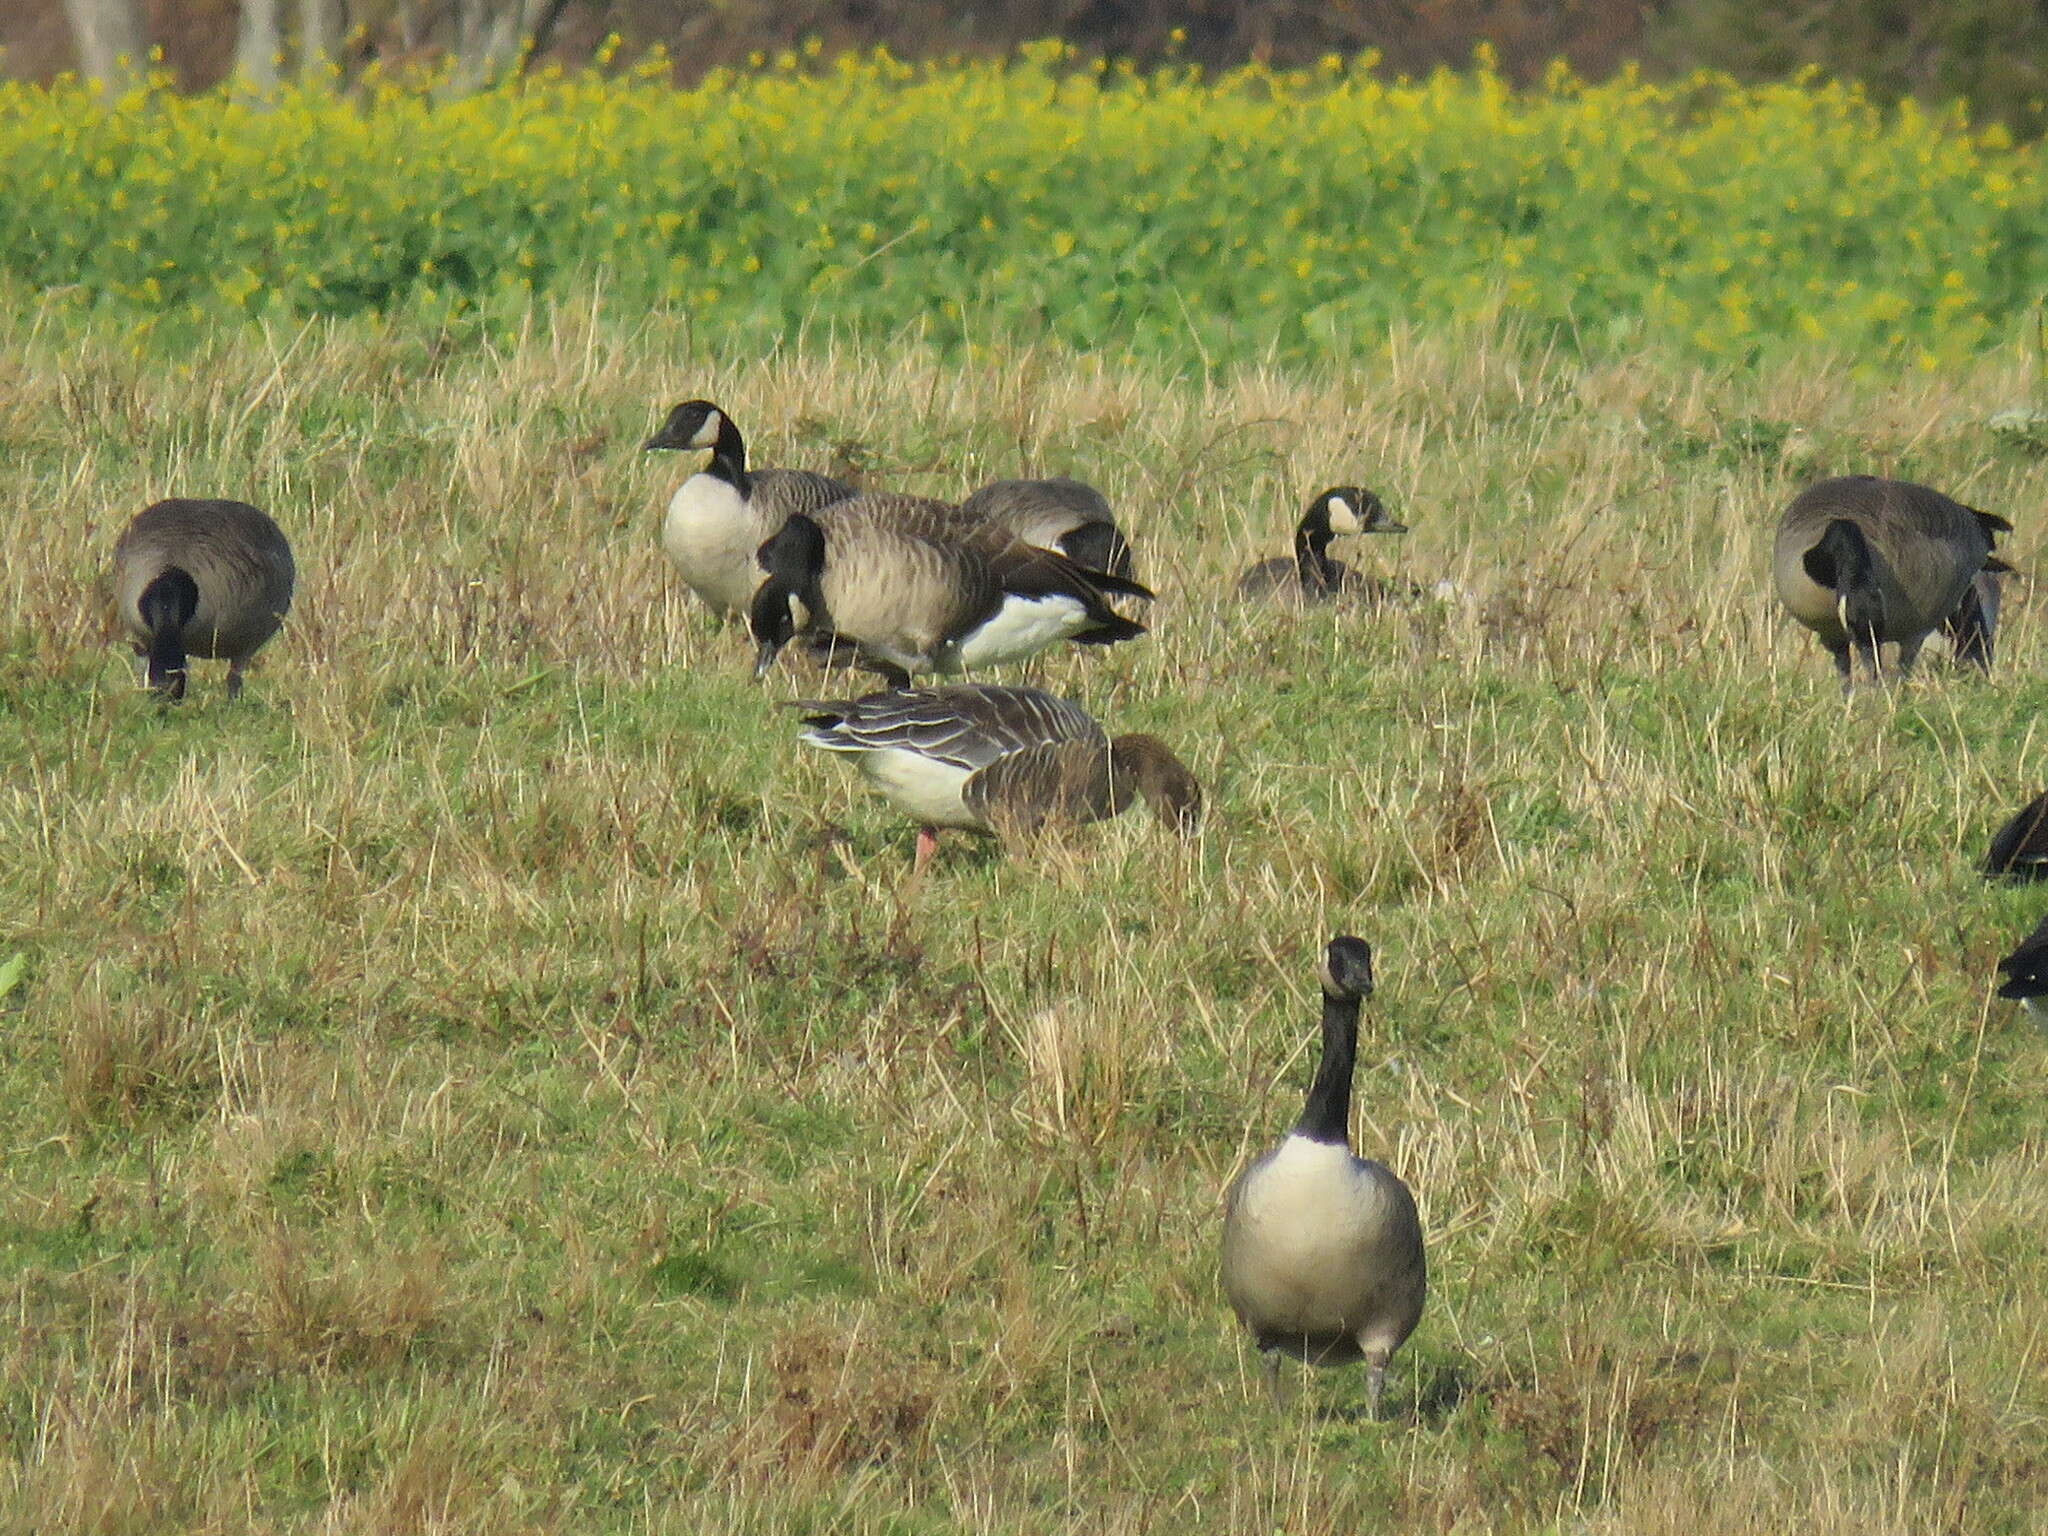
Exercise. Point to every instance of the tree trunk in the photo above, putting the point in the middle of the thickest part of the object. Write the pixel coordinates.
(258, 43)
(109, 39)
(321, 23)
(491, 34)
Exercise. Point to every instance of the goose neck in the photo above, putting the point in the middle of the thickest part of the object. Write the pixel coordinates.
(1326, 1115)
(729, 457)
(1312, 551)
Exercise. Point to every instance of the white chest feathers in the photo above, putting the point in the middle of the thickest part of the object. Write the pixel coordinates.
(710, 536)
(1312, 1205)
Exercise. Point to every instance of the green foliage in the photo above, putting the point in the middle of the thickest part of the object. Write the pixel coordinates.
(1252, 216)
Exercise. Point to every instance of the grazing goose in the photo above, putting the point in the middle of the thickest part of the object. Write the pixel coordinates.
(1067, 515)
(999, 760)
(201, 578)
(912, 604)
(1863, 562)
(719, 516)
(2020, 848)
(2026, 973)
(1312, 576)
(1322, 1250)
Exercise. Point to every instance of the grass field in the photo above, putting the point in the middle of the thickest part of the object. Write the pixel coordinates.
(490, 1079)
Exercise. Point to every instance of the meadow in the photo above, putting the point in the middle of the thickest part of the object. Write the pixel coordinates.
(490, 1078)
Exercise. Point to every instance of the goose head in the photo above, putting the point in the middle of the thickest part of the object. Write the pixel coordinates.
(1347, 509)
(794, 558)
(1842, 561)
(2025, 973)
(697, 424)
(1148, 765)
(166, 606)
(1346, 970)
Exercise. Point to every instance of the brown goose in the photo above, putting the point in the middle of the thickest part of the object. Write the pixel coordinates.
(1070, 516)
(201, 578)
(1312, 576)
(999, 760)
(719, 515)
(1864, 562)
(912, 604)
(1322, 1249)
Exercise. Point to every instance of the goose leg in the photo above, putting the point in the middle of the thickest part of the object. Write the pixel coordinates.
(927, 845)
(1375, 1379)
(1843, 666)
(235, 678)
(1909, 652)
(1269, 1367)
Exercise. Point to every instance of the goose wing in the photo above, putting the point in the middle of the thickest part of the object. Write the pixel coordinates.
(1054, 780)
(941, 522)
(1937, 516)
(781, 492)
(1068, 515)
(967, 725)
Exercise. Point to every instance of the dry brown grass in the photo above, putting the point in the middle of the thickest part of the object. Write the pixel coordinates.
(491, 1080)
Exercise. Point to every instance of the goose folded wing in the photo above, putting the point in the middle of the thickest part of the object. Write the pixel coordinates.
(968, 726)
(1053, 781)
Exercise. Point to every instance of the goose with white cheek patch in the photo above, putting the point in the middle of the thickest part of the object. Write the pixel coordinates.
(1322, 1249)
(1068, 515)
(719, 515)
(1313, 575)
(1865, 562)
(909, 604)
(1004, 761)
(2026, 974)
(201, 578)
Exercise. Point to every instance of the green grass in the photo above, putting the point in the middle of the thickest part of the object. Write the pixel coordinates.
(491, 1079)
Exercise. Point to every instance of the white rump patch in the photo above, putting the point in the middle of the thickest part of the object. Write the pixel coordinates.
(1022, 627)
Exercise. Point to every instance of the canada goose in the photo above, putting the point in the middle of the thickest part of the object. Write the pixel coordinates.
(2020, 848)
(1311, 576)
(1067, 515)
(1863, 562)
(999, 760)
(914, 604)
(719, 515)
(1322, 1250)
(201, 578)
(2026, 973)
